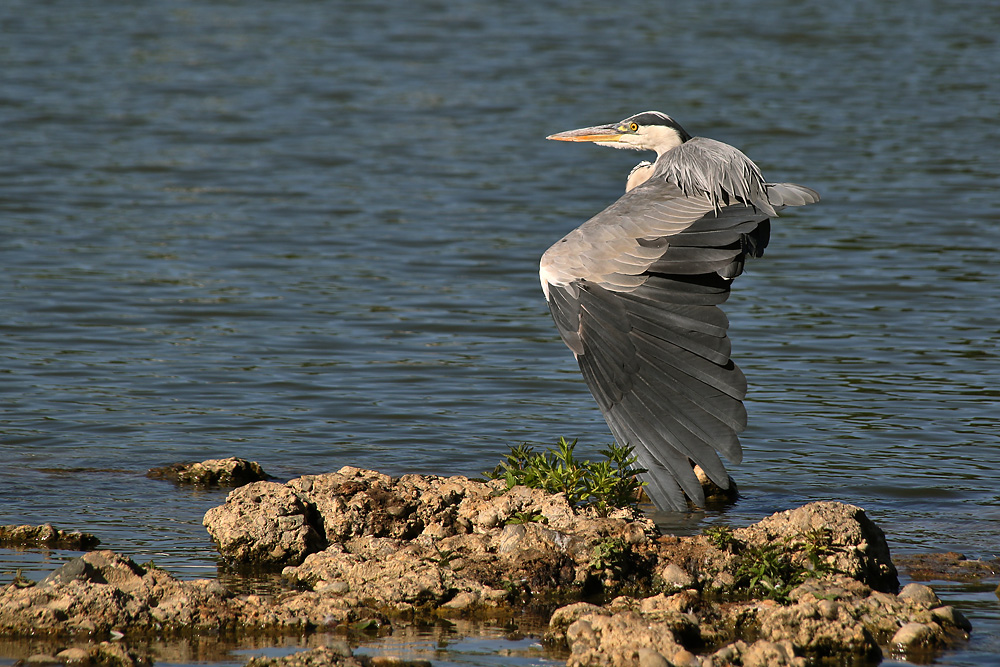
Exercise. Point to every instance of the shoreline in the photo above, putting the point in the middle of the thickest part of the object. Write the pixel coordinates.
(367, 553)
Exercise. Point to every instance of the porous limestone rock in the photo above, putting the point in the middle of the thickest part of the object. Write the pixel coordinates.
(264, 522)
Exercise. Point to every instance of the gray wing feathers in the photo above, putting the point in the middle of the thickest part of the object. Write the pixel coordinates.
(716, 170)
(616, 246)
(790, 194)
(635, 291)
(658, 366)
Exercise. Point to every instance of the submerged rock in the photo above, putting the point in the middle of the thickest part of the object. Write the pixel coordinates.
(950, 566)
(232, 471)
(333, 656)
(46, 536)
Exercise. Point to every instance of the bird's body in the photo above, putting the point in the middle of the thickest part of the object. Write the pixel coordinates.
(635, 290)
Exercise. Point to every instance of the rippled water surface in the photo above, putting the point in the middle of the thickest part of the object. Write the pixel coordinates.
(307, 233)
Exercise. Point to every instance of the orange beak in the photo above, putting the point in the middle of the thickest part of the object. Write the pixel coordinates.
(598, 133)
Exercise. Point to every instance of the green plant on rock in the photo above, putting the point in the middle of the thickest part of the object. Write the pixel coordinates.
(767, 570)
(604, 485)
(721, 537)
(611, 553)
(444, 558)
(522, 518)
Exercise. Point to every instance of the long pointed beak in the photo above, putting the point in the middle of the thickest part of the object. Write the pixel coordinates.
(598, 133)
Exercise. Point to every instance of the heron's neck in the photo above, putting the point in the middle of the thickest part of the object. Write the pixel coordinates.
(662, 139)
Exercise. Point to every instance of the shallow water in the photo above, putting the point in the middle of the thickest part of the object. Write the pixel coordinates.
(307, 234)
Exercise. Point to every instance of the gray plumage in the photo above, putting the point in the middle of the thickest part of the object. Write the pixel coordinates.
(635, 290)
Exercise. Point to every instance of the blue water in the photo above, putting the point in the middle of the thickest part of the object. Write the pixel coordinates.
(307, 234)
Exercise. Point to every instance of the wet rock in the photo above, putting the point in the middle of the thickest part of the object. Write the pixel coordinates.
(111, 596)
(114, 654)
(46, 536)
(919, 593)
(715, 494)
(232, 471)
(264, 523)
(334, 656)
(763, 653)
(949, 566)
(950, 617)
(913, 635)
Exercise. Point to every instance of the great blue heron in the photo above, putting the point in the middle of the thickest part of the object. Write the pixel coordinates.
(634, 292)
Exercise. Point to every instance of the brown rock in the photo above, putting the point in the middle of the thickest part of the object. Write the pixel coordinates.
(596, 639)
(232, 471)
(763, 653)
(73, 655)
(674, 577)
(950, 565)
(564, 617)
(46, 536)
(264, 522)
(919, 593)
(805, 626)
(913, 635)
(334, 656)
(951, 617)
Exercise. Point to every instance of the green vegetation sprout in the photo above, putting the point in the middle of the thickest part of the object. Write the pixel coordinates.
(603, 485)
(767, 570)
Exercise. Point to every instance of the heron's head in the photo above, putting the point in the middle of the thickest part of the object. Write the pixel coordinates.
(646, 131)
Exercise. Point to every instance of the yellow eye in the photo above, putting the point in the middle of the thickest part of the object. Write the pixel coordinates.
(633, 127)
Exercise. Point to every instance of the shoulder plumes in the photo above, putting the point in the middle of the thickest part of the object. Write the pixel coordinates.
(716, 170)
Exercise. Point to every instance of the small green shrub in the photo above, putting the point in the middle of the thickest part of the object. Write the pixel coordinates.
(767, 570)
(611, 553)
(521, 518)
(602, 484)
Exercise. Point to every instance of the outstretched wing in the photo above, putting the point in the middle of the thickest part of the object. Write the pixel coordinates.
(634, 293)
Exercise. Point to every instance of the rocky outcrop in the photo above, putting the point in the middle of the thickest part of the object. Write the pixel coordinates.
(265, 523)
(452, 542)
(47, 537)
(232, 471)
(105, 595)
(834, 617)
(363, 550)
